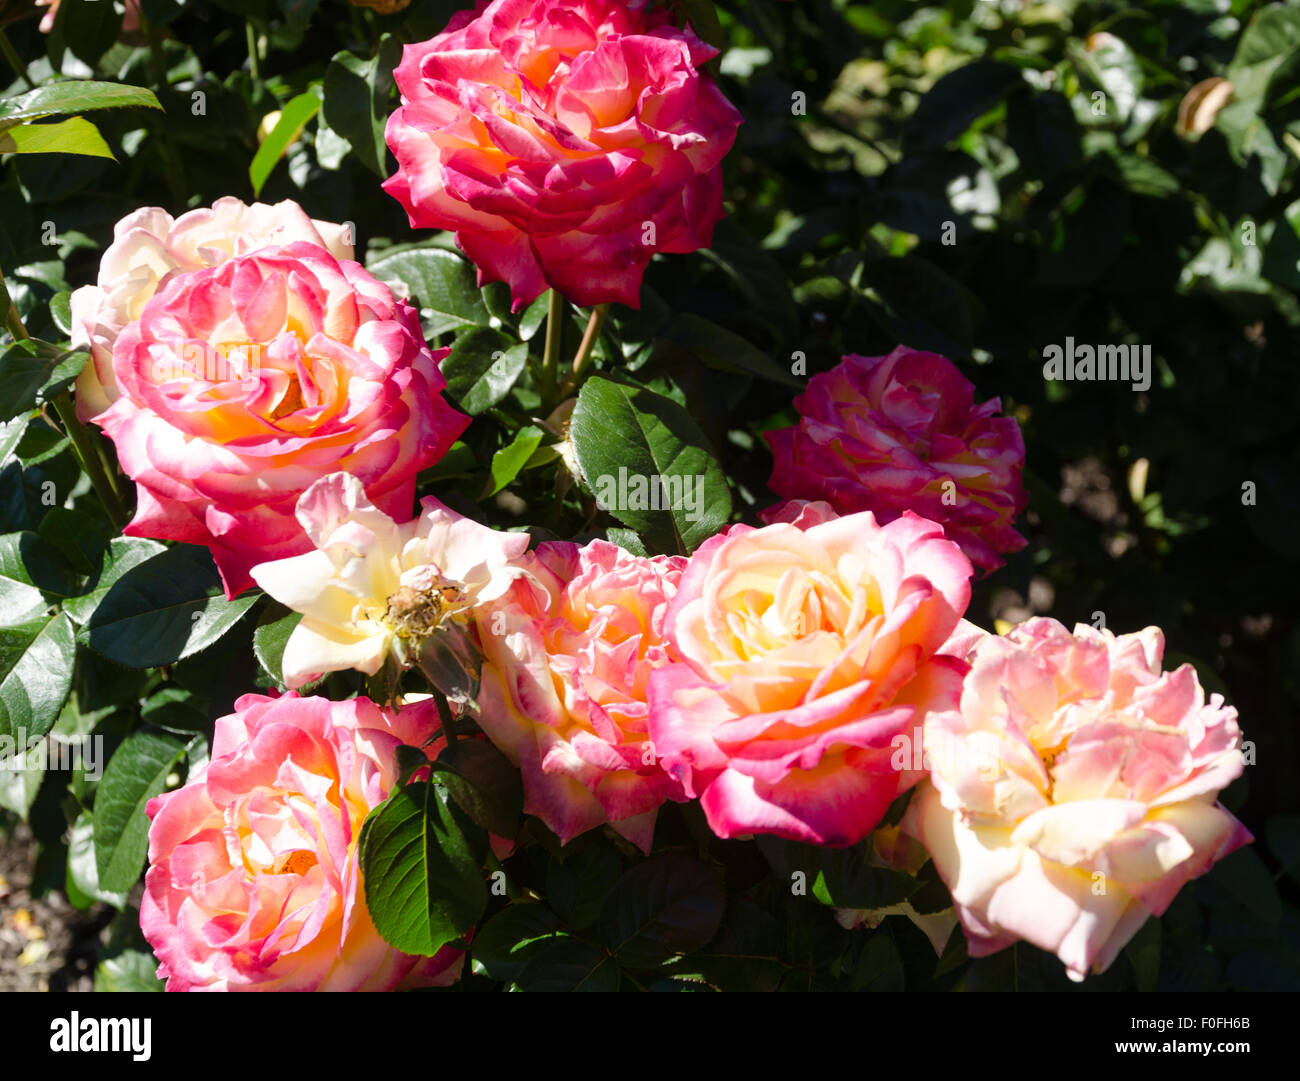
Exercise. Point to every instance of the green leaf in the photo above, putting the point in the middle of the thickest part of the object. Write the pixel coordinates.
(32, 372)
(79, 536)
(175, 709)
(1043, 132)
(123, 554)
(533, 316)
(271, 636)
(90, 27)
(36, 666)
(719, 348)
(957, 100)
(838, 876)
(918, 304)
(83, 873)
(954, 953)
(73, 136)
(424, 886)
(21, 600)
(663, 460)
(933, 895)
(1270, 37)
(879, 967)
(669, 904)
(509, 460)
(439, 281)
(293, 117)
(481, 368)
(627, 540)
(1141, 175)
(357, 93)
(484, 784)
(130, 970)
(135, 774)
(569, 964)
(579, 879)
(744, 953)
(506, 942)
(19, 786)
(71, 98)
(702, 17)
(459, 461)
(169, 607)
(11, 434)
(1112, 65)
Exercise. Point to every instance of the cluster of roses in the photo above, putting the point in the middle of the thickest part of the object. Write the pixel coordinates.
(275, 402)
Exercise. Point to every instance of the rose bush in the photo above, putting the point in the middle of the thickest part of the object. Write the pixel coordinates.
(575, 711)
(242, 383)
(564, 144)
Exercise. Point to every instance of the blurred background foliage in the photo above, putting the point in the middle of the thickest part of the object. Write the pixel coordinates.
(983, 178)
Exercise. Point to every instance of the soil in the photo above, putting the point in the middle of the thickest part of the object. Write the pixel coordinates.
(45, 943)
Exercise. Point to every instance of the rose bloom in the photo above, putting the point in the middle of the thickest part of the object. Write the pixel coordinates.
(372, 584)
(1073, 793)
(902, 432)
(804, 653)
(243, 383)
(564, 141)
(253, 880)
(569, 652)
(150, 247)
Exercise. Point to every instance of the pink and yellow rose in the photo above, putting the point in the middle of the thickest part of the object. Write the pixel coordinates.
(150, 247)
(565, 142)
(801, 654)
(253, 880)
(902, 432)
(242, 383)
(569, 652)
(1073, 793)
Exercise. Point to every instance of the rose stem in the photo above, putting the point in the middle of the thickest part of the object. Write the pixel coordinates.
(583, 355)
(90, 462)
(254, 65)
(15, 61)
(62, 402)
(551, 357)
(444, 714)
(108, 465)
